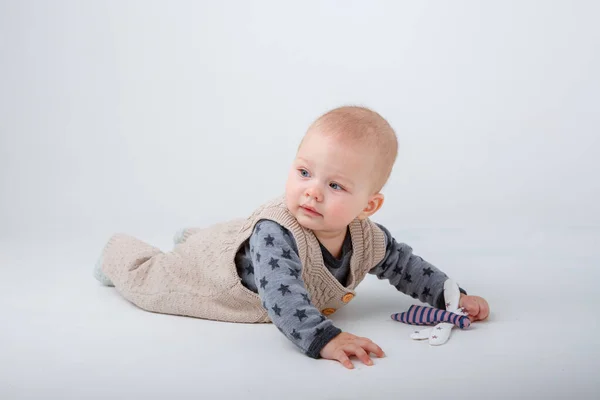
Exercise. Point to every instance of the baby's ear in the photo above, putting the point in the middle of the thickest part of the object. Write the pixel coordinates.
(374, 204)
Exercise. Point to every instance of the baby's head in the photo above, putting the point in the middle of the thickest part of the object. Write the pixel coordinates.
(343, 162)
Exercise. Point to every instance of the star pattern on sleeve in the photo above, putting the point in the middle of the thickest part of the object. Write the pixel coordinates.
(301, 314)
(410, 273)
(305, 297)
(276, 310)
(263, 282)
(284, 289)
(269, 240)
(277, 272)
(274, 263)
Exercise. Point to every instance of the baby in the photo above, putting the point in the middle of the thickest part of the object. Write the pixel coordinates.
(296, 259)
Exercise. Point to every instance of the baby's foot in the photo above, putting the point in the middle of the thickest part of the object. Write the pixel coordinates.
(184, 234)
(179, 236)
(99, 275)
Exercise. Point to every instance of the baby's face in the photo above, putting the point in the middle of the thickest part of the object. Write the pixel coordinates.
(329, 183)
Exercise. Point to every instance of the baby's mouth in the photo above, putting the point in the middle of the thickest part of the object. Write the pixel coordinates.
(310, 211)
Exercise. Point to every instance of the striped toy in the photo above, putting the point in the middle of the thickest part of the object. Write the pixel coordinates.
(422, 315)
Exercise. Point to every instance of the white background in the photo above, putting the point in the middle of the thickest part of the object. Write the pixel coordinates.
(148, 116)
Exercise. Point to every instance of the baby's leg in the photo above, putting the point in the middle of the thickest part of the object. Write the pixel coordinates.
(136, 269)
(180, 237)
(164, 282)
(121, 255)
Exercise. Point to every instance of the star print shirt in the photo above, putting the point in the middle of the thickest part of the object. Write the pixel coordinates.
(269, 265)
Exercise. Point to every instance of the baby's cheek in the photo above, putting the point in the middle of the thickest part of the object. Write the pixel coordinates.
(340, 214)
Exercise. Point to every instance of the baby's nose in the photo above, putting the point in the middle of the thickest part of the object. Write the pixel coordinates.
(315, 193)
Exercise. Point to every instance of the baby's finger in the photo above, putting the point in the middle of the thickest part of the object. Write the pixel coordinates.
(471, 306)
(484, 311)
(373, 348)
(361, 354)
(342, 357)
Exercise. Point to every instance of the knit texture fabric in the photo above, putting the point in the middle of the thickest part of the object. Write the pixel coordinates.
(199, 277)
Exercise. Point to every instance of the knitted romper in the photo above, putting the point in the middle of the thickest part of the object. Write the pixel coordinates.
(199, 277)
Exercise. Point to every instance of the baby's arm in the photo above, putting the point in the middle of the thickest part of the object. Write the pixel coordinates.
(277, 272)
(410, 274)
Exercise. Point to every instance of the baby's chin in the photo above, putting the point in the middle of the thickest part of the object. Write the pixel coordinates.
(307, 222)
(317, 226)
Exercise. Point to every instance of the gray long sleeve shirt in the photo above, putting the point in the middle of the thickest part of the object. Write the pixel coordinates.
(269, 265)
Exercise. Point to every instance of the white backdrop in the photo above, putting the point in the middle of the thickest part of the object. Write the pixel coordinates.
(147, 116)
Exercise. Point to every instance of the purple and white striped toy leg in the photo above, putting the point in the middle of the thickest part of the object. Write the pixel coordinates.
(422, 315)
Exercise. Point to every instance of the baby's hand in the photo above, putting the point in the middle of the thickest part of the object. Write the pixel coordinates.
(346, 344)
(477, 308)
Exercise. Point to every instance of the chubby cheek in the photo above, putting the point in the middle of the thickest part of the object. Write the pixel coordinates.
(339, 213)
(291, 203)
(292, 192)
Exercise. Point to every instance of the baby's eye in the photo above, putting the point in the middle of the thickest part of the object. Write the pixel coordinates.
(335, 186)
(304, 173)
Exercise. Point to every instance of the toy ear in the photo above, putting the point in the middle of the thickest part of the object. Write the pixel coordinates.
(422, 334)
(440, 333)
(451, 295)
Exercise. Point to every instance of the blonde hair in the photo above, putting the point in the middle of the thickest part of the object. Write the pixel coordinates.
(360, 125)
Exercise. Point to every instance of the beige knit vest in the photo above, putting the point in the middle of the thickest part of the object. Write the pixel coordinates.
(200, 278)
